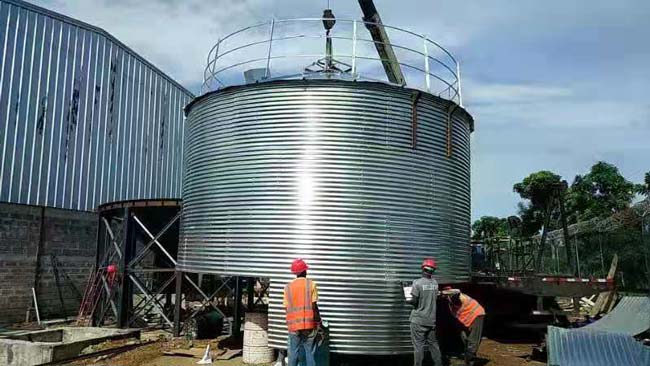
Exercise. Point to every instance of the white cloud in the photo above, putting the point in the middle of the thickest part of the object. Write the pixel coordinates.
(479, 93)
(562, 114)
(175, 36)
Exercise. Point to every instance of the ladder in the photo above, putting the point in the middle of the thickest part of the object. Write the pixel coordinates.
(91, 297)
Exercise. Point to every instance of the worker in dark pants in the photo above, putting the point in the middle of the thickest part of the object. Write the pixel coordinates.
(471, 314)
(423, 297)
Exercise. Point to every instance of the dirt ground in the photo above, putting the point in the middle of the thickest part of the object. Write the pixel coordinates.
(491, 353)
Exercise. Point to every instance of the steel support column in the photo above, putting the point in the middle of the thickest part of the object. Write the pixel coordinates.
(237, 309)
(178, 300)
(125, 304)
(250, 292)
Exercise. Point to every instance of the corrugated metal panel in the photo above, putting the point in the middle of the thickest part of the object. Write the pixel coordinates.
(584, 347)
(83, 119)
(325, 170)
(630, 316)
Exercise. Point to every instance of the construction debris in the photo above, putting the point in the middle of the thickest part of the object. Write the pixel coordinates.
(230, 354)
(631, 316)
(207, 358)
(567, 305)
(572, 347)
(605, 300)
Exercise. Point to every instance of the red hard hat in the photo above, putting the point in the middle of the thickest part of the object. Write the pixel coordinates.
(298, 266)
(111, 268)
(430, 263)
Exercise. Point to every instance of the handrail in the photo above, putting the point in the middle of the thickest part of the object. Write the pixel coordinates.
(427, 65)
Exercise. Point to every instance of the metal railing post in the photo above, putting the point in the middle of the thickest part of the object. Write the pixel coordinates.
(268, 56)
(354, 49)
(460, 93)
(427, 77)
(216, 56)
(208, 79)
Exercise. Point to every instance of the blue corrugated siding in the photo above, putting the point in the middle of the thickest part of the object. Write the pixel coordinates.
(83, 119)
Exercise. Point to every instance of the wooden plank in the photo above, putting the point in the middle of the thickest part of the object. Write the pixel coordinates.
(605, 299)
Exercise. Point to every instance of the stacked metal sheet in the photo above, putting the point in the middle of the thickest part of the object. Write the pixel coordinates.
(362, 180)
(608, 342)
(584, 347)
(630, 316)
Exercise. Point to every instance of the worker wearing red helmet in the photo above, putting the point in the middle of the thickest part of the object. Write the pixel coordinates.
(470, 313)
(424, 294)
(303, 317)
(111, 270)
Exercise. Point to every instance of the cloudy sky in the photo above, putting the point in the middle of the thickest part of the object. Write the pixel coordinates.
(552, 84)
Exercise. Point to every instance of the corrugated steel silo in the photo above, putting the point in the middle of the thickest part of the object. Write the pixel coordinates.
(361, 179)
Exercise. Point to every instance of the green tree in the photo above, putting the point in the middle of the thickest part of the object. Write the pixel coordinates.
(601, 192)
(645, 187)
(541, 190)
(532, 219)
(490, 230)
(489, 227)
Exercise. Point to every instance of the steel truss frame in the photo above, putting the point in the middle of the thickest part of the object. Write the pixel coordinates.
(141, 239)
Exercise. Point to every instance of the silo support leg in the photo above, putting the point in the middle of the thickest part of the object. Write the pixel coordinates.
(178, 297)
(237, 309)
(250, 292)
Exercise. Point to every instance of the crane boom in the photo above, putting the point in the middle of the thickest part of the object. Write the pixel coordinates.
(382, 43)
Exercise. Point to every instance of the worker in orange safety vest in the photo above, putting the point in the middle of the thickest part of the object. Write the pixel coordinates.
(471, 314)
(303, 317)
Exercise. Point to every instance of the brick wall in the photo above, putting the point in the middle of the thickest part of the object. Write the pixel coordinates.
(19, 237)
(49, 249)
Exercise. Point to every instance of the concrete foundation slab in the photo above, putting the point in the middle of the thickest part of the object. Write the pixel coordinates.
(51, 345)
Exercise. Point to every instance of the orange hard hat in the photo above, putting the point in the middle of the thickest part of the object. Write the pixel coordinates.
(429, 263)
(298, 266)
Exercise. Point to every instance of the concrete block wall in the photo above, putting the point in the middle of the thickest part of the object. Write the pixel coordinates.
(52, 250)
(19, 238)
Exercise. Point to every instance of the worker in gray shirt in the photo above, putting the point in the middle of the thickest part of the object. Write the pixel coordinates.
(423, 297)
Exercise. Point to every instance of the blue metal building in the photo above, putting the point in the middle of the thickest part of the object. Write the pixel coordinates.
(83, 119)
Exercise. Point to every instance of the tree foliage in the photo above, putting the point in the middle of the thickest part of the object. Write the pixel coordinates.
(489, 227)
(540, 190)
(601, 192)
(532, 219)
(645, 187)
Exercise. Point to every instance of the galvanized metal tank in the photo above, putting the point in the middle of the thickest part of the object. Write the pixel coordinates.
(362, 180)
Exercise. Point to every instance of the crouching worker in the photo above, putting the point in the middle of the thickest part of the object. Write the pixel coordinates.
(471, 314)
(303, 318)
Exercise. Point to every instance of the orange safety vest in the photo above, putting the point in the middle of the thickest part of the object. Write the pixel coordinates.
(300, 310)
(468, 311)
